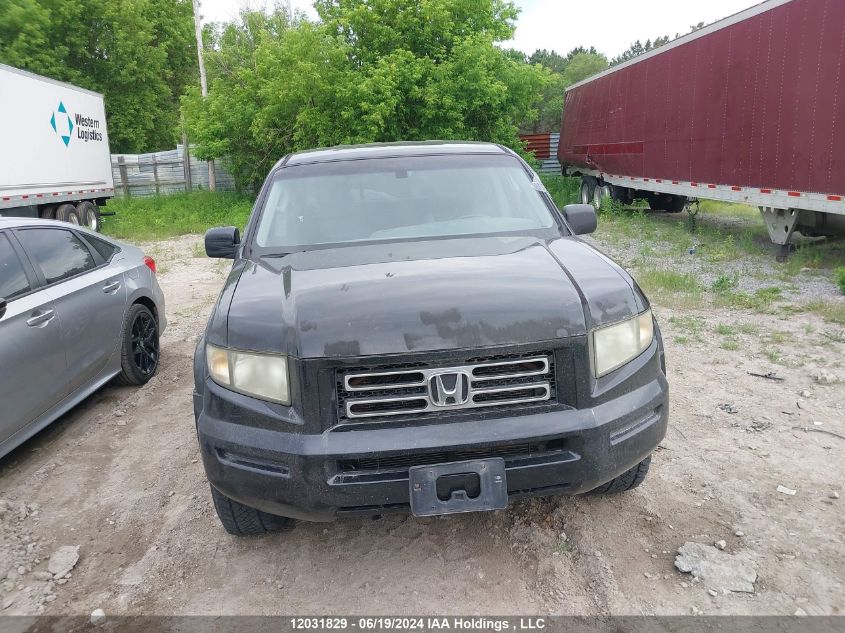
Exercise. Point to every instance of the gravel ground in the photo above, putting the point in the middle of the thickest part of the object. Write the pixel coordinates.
(695, 257)
(120, 478)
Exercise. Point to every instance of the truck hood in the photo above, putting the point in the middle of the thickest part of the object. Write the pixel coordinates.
(422, 296)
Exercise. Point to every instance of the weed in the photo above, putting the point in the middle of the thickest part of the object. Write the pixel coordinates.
(690, 326)
(725, 330)
(761, 300)
(730, 344)
(563, 190)
(840, 279)
(832, 311)
(723, 283)
(772, 353)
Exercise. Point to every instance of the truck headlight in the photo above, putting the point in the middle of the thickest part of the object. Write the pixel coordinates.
(617, 344)
(263, 376)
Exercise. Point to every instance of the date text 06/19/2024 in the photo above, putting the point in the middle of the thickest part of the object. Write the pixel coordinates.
(386, 623)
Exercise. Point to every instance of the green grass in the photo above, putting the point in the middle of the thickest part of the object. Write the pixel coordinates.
(158, 217)
(564, 190)
(725, 330)
(671, 287)
(840, 279)
(833, 312)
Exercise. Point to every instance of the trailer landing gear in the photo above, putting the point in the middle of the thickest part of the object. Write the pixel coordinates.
(781, 225)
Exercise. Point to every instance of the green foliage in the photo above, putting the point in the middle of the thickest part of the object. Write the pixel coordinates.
(840, 279)
(177, 214)
(138, 53)
(563, 189)
(724, 283)
(564, 71)
(370, 71)
(638, 48)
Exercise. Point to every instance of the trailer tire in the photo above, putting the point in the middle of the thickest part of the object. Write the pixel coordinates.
(674, 204)
(588, 186)
(67, 213)
(89, 215)
(47, 212)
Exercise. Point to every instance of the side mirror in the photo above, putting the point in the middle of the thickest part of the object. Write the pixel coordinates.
(581, 218)
(222, 242)
(2, 307)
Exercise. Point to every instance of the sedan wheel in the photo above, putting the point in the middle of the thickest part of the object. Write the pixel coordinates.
(140, 353)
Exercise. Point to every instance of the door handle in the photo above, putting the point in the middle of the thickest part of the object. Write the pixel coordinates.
(111, 287)
(40, 318)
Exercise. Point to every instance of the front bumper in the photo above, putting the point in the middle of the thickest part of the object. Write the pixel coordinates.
(308, 477)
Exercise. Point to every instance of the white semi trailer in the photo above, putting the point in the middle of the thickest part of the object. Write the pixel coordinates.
(55, 161)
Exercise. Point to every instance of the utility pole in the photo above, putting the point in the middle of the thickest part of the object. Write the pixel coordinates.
(212, 177)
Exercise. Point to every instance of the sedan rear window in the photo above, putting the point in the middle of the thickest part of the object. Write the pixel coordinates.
(13, 281)
(400, 198)
(59, 253)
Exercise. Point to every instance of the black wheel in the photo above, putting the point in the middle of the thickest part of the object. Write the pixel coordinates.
(628, 480)
(89, 215)
(655, 202)
(673, 203)
(242, 520)
(140, 351)
(586, 191)
(667, 202)
(48, 212)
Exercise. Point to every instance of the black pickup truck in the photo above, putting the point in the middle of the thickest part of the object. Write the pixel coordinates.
(417, 327)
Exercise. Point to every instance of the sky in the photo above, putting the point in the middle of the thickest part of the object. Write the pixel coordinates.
(609, 25)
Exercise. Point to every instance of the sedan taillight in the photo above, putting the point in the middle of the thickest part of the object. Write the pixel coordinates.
(150, 262)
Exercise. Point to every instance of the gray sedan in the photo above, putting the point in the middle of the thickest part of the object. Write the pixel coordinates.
(76, 311)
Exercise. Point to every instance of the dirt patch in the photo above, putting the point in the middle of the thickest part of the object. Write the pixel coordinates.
(120, 477)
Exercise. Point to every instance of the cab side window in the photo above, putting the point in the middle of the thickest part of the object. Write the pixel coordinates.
(13, 281)
(58, 252)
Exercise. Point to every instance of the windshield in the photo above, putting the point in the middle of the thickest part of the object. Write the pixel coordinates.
(399, 198)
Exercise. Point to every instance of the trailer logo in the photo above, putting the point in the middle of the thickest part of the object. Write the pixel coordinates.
(87, 128)
(65, 124)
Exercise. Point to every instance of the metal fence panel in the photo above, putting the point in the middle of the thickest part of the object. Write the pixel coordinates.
(164, 173)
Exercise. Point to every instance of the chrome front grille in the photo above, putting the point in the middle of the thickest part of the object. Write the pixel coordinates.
(422, 389)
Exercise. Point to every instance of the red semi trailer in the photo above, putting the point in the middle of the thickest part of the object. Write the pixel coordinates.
(749, 109)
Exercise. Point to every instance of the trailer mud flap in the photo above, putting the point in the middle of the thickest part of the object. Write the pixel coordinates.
(470, 486)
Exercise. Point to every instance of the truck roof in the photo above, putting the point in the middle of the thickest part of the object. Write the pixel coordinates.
(767, 5)
(26, 73)
(391, 150)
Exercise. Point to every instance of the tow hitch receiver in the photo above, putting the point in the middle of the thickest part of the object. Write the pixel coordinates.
(458, 487)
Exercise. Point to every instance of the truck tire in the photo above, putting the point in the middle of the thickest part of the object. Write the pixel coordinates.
(675, 204)
(667, 202)
(47, 212)
(89, 215)
(67, 213)
(597, 196)
(628, 480)
(241, 520)
(587, 187)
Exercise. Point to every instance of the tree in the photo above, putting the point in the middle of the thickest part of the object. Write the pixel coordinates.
(637, 48)
(136, 52)
(371, 70)
(566, 70)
